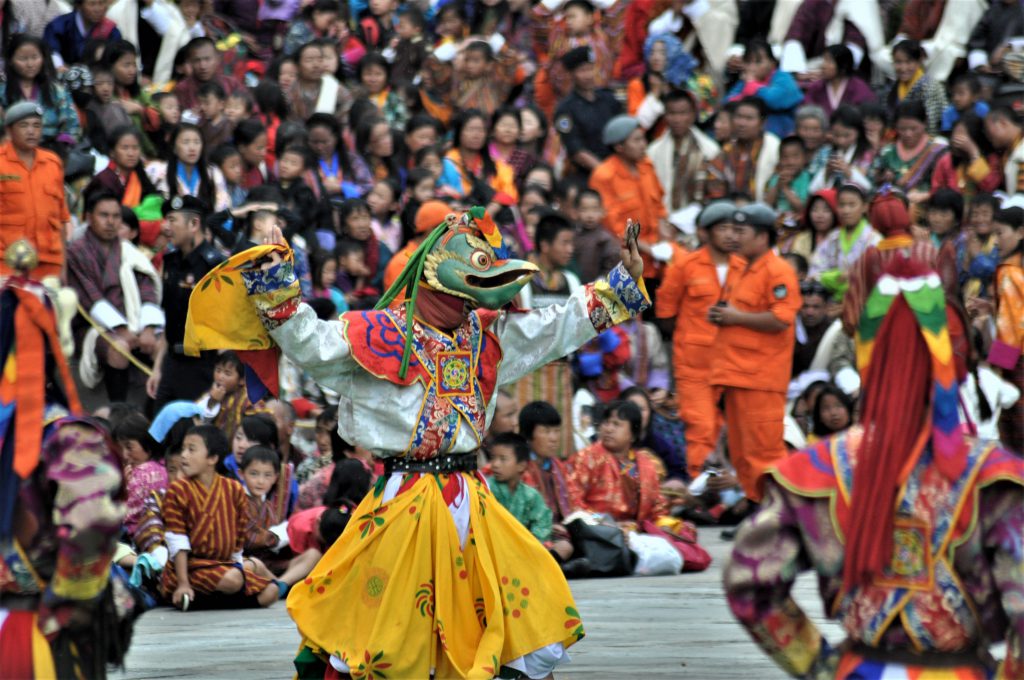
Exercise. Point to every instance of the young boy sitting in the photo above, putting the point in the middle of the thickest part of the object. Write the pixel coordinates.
(216, 127)
(965, 95)
(298, 197)
(409, 49)
(267, 532)
(227, 401)
(595, 250)
(483, 79)
(789, 187)
(509, 456)
(205, 516)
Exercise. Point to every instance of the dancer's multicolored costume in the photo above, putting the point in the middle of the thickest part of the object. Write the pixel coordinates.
(913, 528)
(61, 502)
(432, 574)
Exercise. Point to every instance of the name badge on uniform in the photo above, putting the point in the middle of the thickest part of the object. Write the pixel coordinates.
(454, 374)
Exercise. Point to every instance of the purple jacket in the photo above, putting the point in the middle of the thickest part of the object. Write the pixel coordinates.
(857, 92)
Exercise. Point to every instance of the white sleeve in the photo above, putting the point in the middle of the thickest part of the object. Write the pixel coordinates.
(152, 315)
(318, 347)
(281, 531)
(107, 315)
(976, 58)
(649, 111)
(158, 16)
(794, 59)
(176, 543)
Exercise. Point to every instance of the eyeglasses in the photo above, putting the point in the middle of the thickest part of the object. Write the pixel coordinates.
(813, 288)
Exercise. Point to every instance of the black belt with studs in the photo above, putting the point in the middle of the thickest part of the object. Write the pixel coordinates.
(446, 464)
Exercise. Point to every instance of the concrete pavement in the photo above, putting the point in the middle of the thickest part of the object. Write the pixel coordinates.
(657, 627)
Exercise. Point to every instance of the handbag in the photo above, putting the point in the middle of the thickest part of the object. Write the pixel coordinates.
(1003, 354)
(695, 557)
(604, 546)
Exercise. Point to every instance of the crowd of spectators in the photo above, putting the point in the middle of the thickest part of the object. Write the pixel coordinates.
(147, 140)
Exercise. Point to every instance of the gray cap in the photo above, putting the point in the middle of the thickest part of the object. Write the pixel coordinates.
(719, 211)
(617, 129)
(757, 215)
(21, 111)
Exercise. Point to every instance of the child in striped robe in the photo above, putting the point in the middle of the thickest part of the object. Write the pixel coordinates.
(205, 516)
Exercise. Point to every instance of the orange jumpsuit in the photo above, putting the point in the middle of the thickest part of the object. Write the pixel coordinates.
(753, 368)
(690, 286)
(631, 193)
(32, 207)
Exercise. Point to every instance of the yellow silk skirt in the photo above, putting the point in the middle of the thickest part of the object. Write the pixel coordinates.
(401, 594)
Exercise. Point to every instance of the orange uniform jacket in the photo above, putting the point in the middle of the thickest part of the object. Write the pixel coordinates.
(753, 359)
(32, 207)
(689, 288)
(626, 194)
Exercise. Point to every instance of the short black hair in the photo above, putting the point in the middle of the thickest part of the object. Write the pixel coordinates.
(413, 15)
(302, 151)
(758, 45)
(911, 109)
(348, 246)
(551, 224)
(196, 43)
(222, 153)
(754, 102)
(852, 188)
(624, 410)
(323, 308)
(1012, 216)
(229, 358)
(985, 199)
(260, 428)
(422, 120)
(135, 427)
(793, 140)
(677, 94)
(582, 4)
(514, 441)
(537, 413)
(587, 192)
(813, 287)
(798, 261)
(480, 47)
(98, 196)
(213, 89)
(829, 389)
(214, 440)
(261, 454)
(372, 59)
(945, 198)
(971, 80)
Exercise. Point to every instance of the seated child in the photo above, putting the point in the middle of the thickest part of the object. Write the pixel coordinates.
(260, 429)
(324, 267)
(205, 516)
(965, 95)
(789, 187)
(227, 159)
(104, 114)
(374, 72)
(292, 165)
(383, 203)
(144, 473)
(238, 107)
(354, 275)
(509, 456)
(977, 261)
(266, 532)
(169, 108)
(357, 224)
(483, 79)
(227, 401)
(216, 128)
(319, 526)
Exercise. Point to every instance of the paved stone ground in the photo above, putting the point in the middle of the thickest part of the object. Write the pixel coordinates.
(659, 627)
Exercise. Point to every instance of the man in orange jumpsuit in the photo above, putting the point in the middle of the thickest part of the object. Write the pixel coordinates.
(629, 187)
(32, 205)
(755, 348)
(691, 285)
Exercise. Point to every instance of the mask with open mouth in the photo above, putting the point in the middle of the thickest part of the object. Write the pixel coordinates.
(463, 257)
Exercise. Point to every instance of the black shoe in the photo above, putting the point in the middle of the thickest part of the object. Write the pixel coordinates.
(728, 534)
(576, 568)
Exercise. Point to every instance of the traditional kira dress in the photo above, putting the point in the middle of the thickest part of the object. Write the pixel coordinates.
(432, 574)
